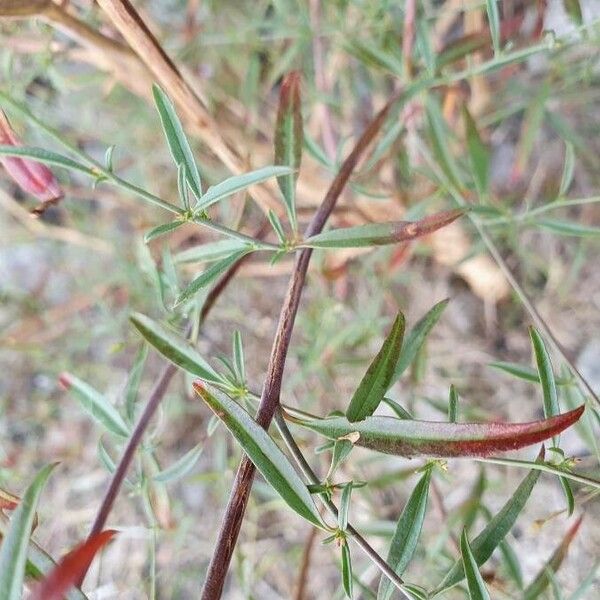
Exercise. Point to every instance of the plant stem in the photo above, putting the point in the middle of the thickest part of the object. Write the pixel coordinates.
(332, 508)
(238, 499)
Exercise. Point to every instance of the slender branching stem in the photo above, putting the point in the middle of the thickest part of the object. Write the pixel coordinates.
(238, 499)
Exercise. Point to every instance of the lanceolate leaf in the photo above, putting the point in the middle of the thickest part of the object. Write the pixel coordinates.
(541, 582)
(478, 153)
(181, 467)
(209, 275)
(70, 569)
(47, 157)
(347, 579)
(210, 251)
(99, 408)
(289, 140)
(427, 438)
(562, 227)
(39, 562)
(263, 452)
(377, 379)
(546, 374)
(178, 143)
(477, 589)
(523, 372)
(178, 350)
(381, 234)
(406, 536)
(416, 338)
(494, 532)
(237, 183)
(13, 551)
(493, 15)
(162, 230)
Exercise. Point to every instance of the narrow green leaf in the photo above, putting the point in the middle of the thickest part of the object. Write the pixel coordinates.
(181, 467)
(381, 234)
(108, 158)
(175, 348)
(568, 492)
(238, 357)
(440, 137)
(478, 152)
(344, 506)
(237, 183)
(541, 582)
(134, 380)
(347, 579)
(452, 405)
(520, 371)
(407, 533)
(398, 409)
(569, 228)
(341, 450)
(546, 373)
(14, 548)
(277, 226)
(493, 16)
(177, 140)
(161, 230)
(39, 562)
(416, 338)
(431, 438)
(573, 9)
(96, 405)
(47, 157)
(210, 252)
(208, 276)
(288, 140)
(377, 379)
(568, 170)
(182, 186)
(264, 453)
(511, 562)
(494, 532)
(477, 589)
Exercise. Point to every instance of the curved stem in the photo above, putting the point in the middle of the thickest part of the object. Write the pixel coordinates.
(238, 499)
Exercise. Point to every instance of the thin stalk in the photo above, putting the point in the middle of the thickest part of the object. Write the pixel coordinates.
(101, 171)
(362, 543)
(238, 499)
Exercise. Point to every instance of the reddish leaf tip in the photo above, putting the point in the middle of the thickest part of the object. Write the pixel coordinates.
(64, 380)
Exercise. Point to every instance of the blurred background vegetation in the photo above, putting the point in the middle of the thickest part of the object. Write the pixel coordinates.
(69, 280)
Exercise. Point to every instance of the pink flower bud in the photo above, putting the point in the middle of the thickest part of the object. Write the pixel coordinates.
(31, 176)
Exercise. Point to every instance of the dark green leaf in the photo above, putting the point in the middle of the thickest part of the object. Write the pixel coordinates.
(477, 589)
(573, 9)
(398, 409)
(172, 346)
(546, 373)
(177, 140)
(512, 563)
(478, 152)
(96, 405)
(277, 226)
(264, 453)
(341, 449)
(14, 548)
(416, 338)
(238, 357)
(566, 486)
(209, 276)
(406, 535)
(494, 532)
(347, 579)
(378, 377)
(289, 140)
(452, 405)
(237, 183)
(344, 506)
(381, 234)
